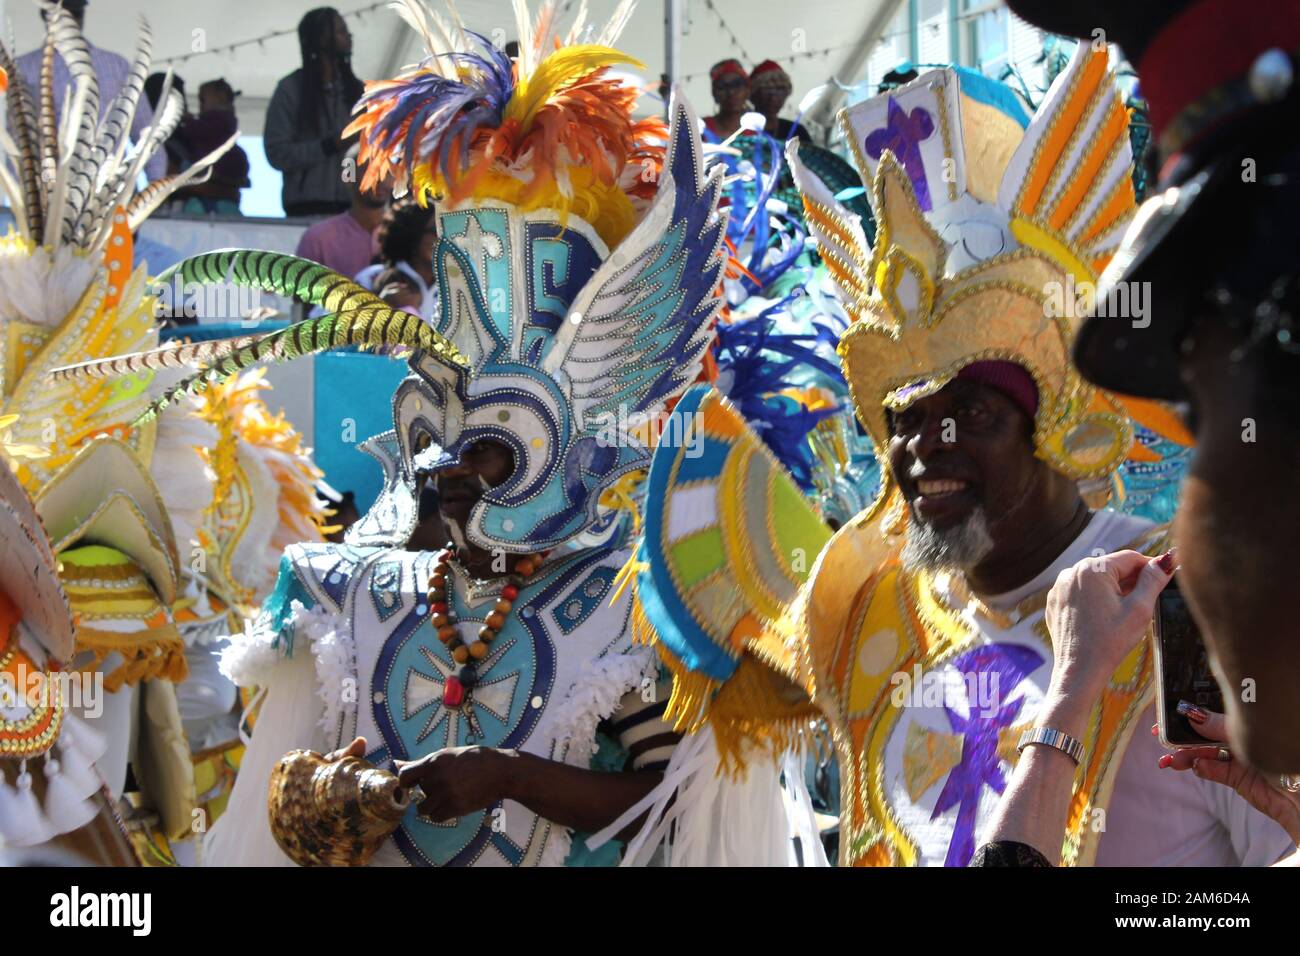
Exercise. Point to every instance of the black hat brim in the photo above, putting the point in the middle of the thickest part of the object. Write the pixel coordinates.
(1168, 260)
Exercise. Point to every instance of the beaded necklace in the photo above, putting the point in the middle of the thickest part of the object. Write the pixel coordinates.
(444, 621)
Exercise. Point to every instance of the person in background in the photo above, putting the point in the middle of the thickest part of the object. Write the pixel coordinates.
(731, 93)
(111, 71)
(204, 133)
(306, 117)
(1217, 252)
(175, 150)
(342, 506)
(398, 289)
(901, 74)
(347, 243)
(407, 237)
(769, 88)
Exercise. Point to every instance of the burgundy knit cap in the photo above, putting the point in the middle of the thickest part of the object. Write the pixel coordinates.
(1008, 378)
(769, 75)
(722, 68)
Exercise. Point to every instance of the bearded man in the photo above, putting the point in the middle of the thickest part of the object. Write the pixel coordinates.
(919, 636)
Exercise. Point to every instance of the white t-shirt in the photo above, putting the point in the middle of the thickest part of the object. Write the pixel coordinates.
(1218, 827)
(1162, 817)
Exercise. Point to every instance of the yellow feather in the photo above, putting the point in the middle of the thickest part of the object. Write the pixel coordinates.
(558, 70)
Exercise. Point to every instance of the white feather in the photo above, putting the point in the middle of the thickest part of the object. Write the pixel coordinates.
(182, 477)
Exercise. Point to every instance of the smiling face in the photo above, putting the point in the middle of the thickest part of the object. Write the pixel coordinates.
(964, 461)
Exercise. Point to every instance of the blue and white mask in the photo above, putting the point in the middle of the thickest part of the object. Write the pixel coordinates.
(573, 348)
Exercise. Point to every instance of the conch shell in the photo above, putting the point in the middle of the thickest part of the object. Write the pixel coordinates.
(333, 813)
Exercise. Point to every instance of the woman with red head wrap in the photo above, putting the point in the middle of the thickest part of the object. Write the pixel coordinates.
(731, 93)
(769, 88)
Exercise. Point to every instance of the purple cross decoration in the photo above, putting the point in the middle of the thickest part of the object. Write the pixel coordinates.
(902, 136)
(980, 763)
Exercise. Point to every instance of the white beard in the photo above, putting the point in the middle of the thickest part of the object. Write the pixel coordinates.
(959, 548)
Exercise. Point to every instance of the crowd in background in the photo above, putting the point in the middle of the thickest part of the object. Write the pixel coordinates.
(358, 233)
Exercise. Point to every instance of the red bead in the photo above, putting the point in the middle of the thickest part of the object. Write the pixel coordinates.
(453, 692)
(510, 592)
(438, 607)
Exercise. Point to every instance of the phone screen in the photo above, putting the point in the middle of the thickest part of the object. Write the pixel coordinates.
(1184, 668)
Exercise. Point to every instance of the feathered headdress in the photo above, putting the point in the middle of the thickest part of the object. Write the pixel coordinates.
(68, 291)
(570, 315)
(354, 316)
(71, 174)
(552, 130)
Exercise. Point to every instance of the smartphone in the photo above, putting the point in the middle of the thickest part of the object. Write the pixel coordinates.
(1182, 670)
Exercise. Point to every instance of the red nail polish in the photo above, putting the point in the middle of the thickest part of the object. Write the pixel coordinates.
(1165, 761)
(1166, 561)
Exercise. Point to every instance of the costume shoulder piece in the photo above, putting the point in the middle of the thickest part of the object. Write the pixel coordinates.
(729, 539)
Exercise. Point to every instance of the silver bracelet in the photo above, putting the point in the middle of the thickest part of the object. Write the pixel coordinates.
(1052, 738)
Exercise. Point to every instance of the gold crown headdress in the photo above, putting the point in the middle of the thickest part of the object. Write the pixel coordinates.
(987, 232)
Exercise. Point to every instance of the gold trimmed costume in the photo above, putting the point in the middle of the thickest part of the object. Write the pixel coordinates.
(989, 226)
(133, 519)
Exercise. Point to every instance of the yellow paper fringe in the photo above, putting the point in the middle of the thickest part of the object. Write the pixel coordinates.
(755, 709)
(158, 653)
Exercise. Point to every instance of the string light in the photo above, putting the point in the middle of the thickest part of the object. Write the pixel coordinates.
(827, 51)
(808, 54)
(735, 40)
(273, 35)
(824, 51)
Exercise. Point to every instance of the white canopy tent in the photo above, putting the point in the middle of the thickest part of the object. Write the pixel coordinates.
(814, 40)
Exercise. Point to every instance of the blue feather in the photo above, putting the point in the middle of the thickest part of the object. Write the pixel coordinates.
(439, 109)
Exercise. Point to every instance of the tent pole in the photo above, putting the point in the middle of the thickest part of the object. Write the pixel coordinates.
(672, 47)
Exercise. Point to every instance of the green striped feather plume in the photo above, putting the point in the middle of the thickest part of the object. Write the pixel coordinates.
(356, 317)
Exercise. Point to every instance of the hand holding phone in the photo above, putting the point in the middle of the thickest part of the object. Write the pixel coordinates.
(1184, 680)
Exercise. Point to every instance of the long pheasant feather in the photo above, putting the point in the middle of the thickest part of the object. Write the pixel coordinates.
(173, 355)
(308, 282)
(373, 325)
(24, 127)
(49, 134)
(356, 317)
(75, 53)
(114, 132)
(118, 191)
(71, 180)
(152, 196)
(116, 126)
